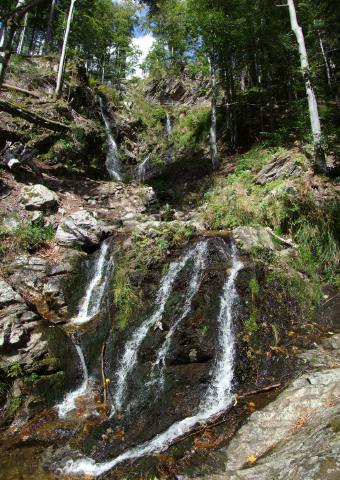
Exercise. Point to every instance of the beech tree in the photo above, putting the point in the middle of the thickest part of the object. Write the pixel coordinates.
(11, 23)
(64, 48)
(312, 102)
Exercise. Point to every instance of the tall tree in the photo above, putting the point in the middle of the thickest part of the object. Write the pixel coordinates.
(320, 162)
(60, 75)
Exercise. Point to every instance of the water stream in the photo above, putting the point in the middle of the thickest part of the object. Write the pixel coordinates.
(219, 393)
(91, 303)
(129, 358)
(141, 169)
(112, 163)
(69, 402)
(157, 373)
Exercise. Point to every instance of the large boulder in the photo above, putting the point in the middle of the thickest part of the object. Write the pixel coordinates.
(282, 166)
(16, 324)
(39, 197)
(297, 435)
(80, 229)
(249, 238)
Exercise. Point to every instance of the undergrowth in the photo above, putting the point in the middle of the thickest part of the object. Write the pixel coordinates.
(148, 250)
(28, 237)
(288, 206)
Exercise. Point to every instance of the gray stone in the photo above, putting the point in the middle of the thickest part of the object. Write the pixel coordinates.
(282, 166)
(80, 229)
(8, 295)
(297, 435)
(39, 197)
(253, 237)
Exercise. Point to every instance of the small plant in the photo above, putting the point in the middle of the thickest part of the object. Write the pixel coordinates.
(14, 404)
(14, 370)
(125, 297)
(32, 236)
(254, 288)
(250, 325)
(205, 329)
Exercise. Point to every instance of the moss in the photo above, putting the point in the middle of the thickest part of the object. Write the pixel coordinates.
(335, 424)
(14, 404)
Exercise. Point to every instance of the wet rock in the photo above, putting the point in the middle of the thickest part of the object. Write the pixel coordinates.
(39, 197)
(80, 229)
(282, 166)
(43, 282)
(253, 237)
(16, 323)
(296, 436)
(8, 295)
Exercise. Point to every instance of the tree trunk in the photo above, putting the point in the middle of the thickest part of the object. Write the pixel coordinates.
(63, 52)
(213, 127)
(319, 155)
(12, 21)
(50, 27)
(22, 35)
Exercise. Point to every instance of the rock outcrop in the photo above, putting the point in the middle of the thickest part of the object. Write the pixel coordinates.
(39, 197)
(80, 229)
(283, 166)
(297, 435)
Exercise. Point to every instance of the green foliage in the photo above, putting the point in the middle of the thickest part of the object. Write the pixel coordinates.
(250, 324)
(125, 296)
(32, 236)
(14, 404)
(111, 94)
(254, 288)
(191, 129)
(14, 370)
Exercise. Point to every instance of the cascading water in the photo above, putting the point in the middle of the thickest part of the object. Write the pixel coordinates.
(91, 303)
(198, 269)
(89, 307)
(141, 169)
(218, 396)
(69, 402)
(168, 127)
(129, 358)
(112, 163)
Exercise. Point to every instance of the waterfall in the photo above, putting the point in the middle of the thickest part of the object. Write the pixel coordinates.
(100, 274)
(198, 269)
(112, 161)
(89, 307)
(141, 169)
(168, 126)
(216, 400)
(69, 402)
(129, 358)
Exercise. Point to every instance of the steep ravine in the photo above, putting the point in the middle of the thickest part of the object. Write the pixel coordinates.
(211, 334)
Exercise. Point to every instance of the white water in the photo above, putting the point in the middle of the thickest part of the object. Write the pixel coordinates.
(91, 303)
(197, 273)
(69, 402)
(217, 399)
(168, 126)
(112, 160)
(129, 358)
(89, 307)
(141, 169)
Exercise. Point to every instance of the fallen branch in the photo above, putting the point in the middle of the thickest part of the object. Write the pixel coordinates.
(261, 390)
(7, 86)
(220, 422)
(17, 111)
(288, 242)
(103, 373)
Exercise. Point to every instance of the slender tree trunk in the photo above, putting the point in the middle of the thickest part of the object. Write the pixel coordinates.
(213, 127)
(22, 35)
(63, 52)
(11, 26)
(319, 155)
(50, 27)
